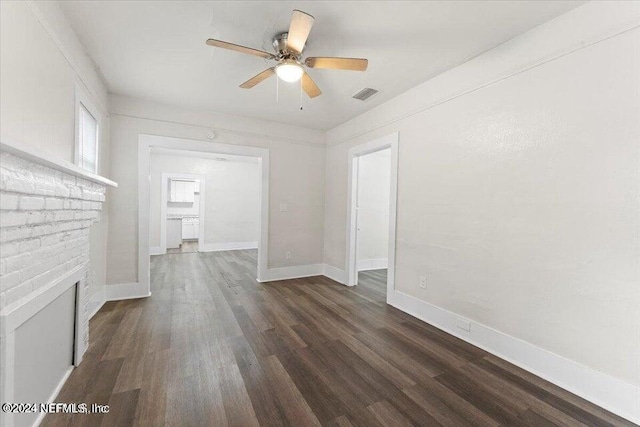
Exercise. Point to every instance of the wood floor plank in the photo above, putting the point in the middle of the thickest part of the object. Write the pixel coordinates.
(214, 347)
(296, 408)
(388, 415)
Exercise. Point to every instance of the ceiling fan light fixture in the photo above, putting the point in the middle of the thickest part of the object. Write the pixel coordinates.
(289, 71)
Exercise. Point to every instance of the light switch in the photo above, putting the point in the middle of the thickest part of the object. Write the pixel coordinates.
(284, 207)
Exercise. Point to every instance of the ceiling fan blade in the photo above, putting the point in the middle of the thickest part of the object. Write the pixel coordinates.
(299, 29)
(258, 78)
(238, 48)
(310, 87)
(355, 64)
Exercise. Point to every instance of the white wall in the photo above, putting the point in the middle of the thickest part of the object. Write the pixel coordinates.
(41, 63)
(231, 201)
(374, 177)
(297, 178)
(518, 191)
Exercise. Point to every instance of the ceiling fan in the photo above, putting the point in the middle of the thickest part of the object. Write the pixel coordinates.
(289, 47)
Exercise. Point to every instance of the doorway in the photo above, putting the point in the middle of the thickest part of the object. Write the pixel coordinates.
(149, 143)
(371, 212)
(182, 212)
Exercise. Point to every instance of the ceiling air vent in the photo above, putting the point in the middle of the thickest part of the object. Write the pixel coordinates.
(365, 94)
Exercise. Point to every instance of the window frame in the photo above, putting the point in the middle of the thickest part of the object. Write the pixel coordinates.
(83, 100)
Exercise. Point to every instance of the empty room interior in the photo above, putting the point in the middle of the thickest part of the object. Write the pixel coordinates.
(306, 213)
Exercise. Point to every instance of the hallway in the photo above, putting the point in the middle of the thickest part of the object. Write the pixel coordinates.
(213, 347)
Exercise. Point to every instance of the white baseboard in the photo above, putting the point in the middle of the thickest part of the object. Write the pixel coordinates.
(54, 394)
(157, 250)
(372, 264)
(603, 390)
(96, 302)
(300, 271)
(294, 272)
(125, 291)
(234, 246)
(334, 273)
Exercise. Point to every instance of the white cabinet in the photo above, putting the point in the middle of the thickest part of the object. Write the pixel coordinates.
(174, 233)
(190, 228)
(181, 191)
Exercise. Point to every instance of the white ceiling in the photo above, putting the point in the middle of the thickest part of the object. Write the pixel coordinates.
(155, 50)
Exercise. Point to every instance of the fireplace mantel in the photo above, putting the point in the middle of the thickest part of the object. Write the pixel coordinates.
(64, 166)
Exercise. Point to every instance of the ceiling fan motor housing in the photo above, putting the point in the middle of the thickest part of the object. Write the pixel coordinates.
(280, 45)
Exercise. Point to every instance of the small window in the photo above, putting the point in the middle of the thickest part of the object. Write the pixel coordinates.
(87, 131)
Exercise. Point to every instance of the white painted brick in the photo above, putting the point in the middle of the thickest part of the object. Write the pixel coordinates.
(17, 262)
(45, 191)
(10, 234)
(40, 230)
(29, 245)
(17, 292)
(51, 239)
(30, 203)
(75, 193)
(8, 281)
(13, 219)
(53, 203)
(41, 238)
(48, 276)
(8, 201)
(9, 249)
(62, 190)
(39, 267)
(64, 215)
(35, 217)
(18, 185)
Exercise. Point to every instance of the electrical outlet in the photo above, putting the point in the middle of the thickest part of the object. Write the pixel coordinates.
(284, 207)
(423, 282)
(287, 255)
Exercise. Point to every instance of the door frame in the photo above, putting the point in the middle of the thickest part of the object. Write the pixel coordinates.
(388, 141)
(145, 144)
(163, 206)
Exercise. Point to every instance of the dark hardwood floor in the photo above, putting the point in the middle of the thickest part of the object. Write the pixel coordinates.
(212, 347)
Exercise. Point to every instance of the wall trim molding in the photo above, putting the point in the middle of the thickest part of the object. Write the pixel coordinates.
(334, 273)
(156, 250)
(601, 389)
(96, 302)
(233, 246)
(372, 264)
(122, 291)
(293, 272)
(32, 154)
(219, 129)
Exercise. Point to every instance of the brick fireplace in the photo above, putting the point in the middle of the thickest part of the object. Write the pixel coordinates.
(47, 208)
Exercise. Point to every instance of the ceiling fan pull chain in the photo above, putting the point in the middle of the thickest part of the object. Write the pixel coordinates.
(300, 94)
(277, 90)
